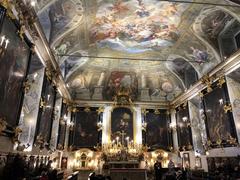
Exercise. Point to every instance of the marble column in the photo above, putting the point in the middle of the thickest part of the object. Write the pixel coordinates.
(144, 90)
(137, 124)
(99, 88)
(106, 128)
(101, 79)
(174, 131)
(67, 130)
(234, 95)
(196, 126)
(143, 81)
(55, 125)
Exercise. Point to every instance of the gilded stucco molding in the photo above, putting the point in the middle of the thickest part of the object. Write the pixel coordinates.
(224, 68)
(31, 26)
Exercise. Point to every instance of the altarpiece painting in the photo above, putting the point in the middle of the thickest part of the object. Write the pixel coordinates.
(219, 120)
(85, 133)
(157, 135)
(183, 128)
(122, 124)
(46, 113)
(13, 68)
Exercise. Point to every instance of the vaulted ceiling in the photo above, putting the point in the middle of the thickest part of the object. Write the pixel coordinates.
(157, 49)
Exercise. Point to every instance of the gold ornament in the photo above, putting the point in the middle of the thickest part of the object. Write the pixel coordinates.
(227, 108)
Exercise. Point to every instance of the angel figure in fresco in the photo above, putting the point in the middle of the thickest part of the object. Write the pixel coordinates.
(199, 56)
(119, 7)
(62, 49)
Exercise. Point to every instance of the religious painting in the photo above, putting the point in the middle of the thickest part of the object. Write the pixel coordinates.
(157, 135)
(85, 133)
(213, 24)
(122, 125)
(136, 26)
(183, 128)
(62, 17)
(45, 120)
(219, 120)
(2, 15)
(13, 68)
(121, 82)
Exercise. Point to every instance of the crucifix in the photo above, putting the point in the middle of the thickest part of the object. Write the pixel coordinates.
(122, 134)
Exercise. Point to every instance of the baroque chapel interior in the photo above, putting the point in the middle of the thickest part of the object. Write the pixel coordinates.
(119, 89)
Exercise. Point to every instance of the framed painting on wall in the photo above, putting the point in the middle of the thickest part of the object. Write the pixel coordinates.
(14, 63)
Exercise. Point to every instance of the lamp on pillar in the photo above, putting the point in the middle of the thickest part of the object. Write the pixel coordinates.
(3, 45)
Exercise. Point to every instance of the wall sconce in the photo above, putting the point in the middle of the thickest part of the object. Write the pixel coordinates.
(144, 126)
(62, 121)
(185, 119)
(156, 111)
(99, 125)
(227, 108)
(3, 45)
(43, 103)
(173, 126)
(70, 124)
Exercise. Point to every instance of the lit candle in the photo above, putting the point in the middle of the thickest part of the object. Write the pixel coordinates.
(117, 138)
(7, 41)
(29, 130)
(127, 139)
(2, 40)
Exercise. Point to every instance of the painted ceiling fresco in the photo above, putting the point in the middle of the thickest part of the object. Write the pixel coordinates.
(159, 48)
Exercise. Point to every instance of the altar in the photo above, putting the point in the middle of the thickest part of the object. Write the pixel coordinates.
(129, 174)
(123, 164)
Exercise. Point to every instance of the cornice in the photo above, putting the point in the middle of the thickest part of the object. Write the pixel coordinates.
(32, 27)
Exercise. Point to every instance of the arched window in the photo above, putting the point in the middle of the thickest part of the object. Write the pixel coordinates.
(83, 160)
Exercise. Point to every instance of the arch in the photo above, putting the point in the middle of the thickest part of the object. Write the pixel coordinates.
(184, 70)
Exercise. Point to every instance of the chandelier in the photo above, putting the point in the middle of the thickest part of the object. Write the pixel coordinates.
(116, 147)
